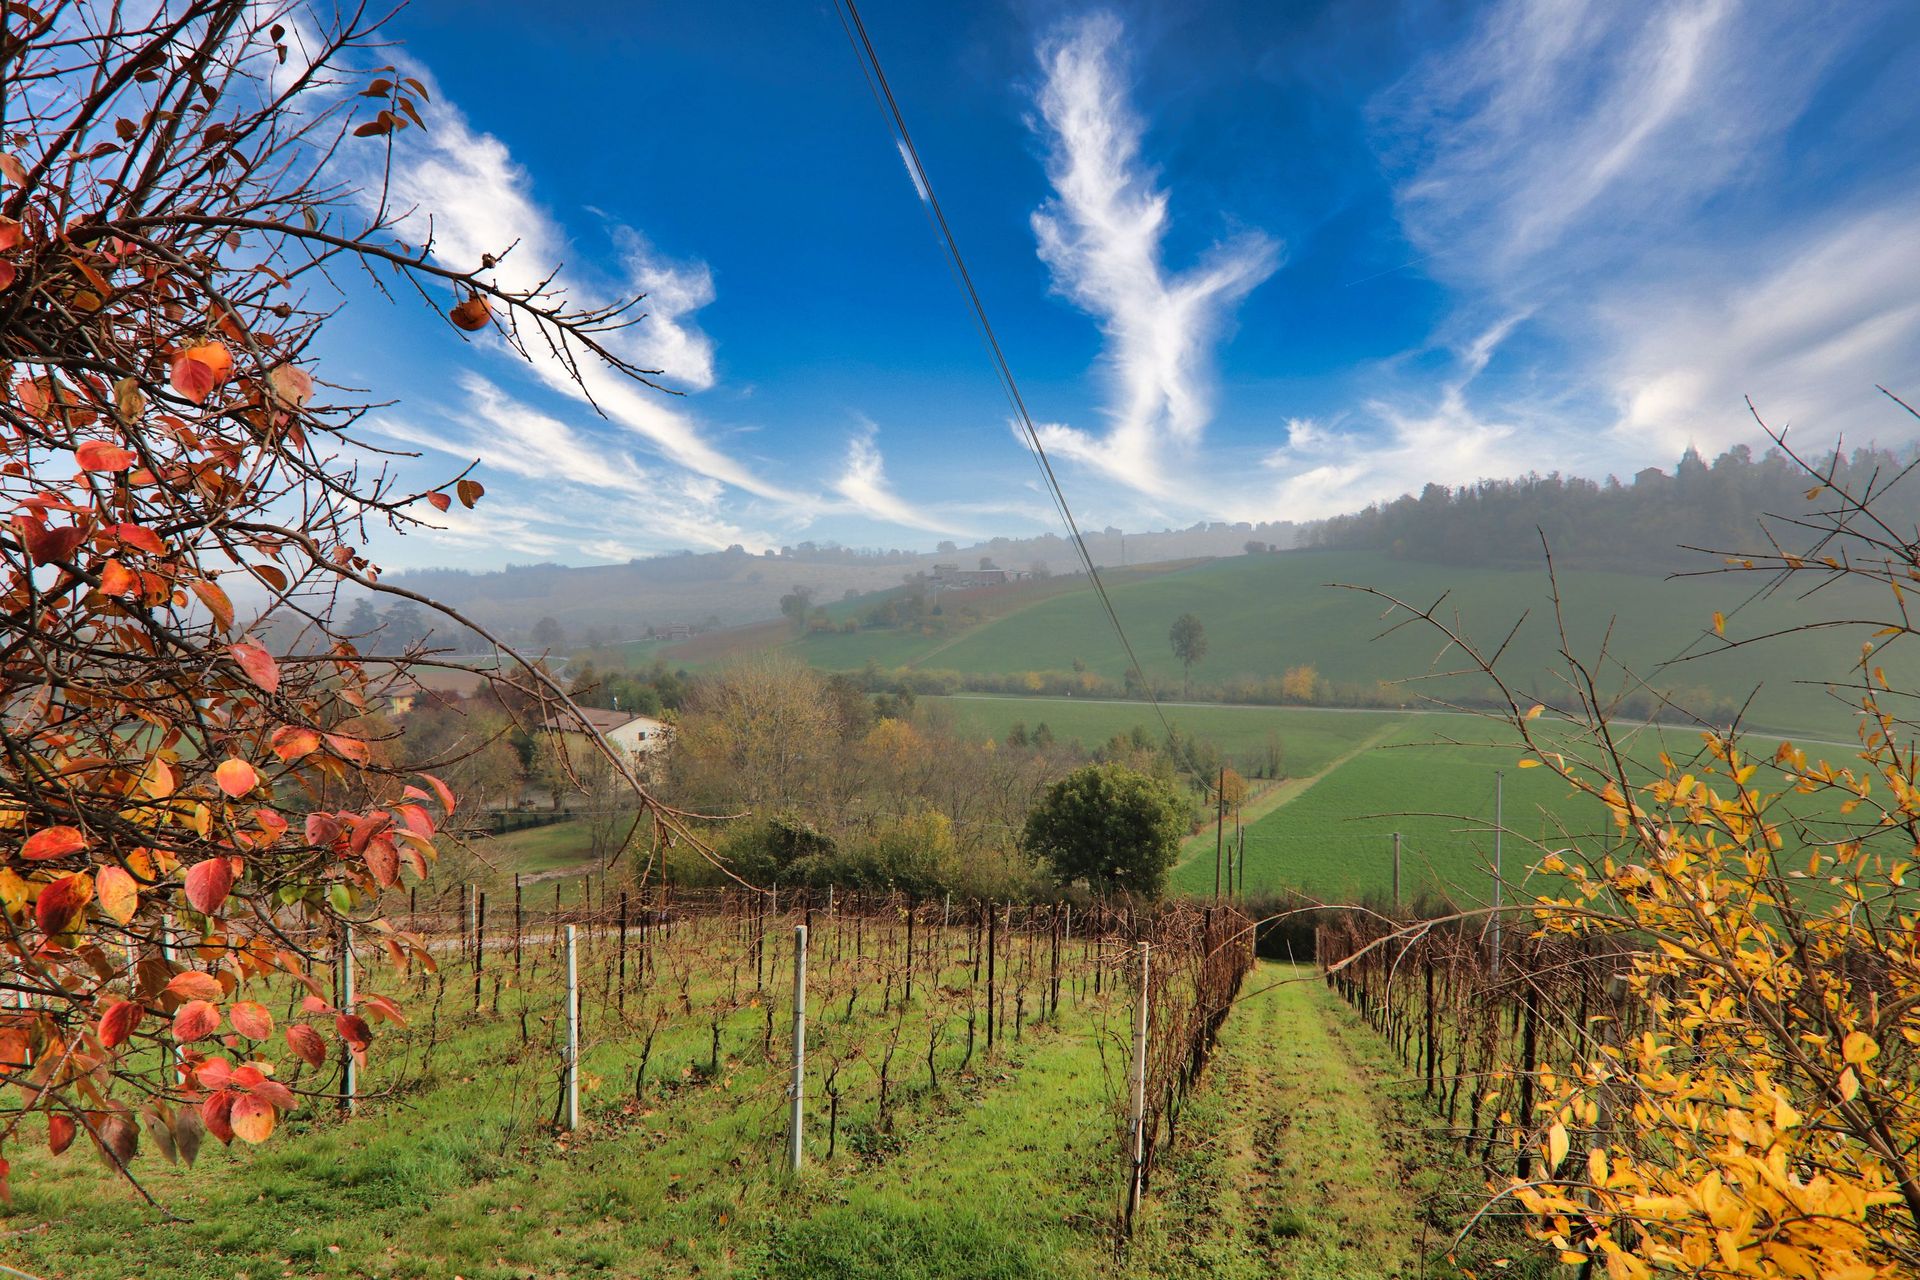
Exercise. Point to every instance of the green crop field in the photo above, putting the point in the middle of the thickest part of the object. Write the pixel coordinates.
(1265, 614)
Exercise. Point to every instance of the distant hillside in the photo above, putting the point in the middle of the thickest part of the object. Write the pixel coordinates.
(1635, 527)
(1266, 614)
(602, 604)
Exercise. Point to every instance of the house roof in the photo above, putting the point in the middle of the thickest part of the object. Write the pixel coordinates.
(601, 719)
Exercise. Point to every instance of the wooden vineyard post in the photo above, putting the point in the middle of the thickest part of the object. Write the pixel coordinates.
(621, 998)
(1499, 780)
(1396, 871)
(1137, 1117)
(479, 944)
(350, 1073)
(573, 1031)
(1219, 830)
(993, 923)
(517, 927)
(797, 1116)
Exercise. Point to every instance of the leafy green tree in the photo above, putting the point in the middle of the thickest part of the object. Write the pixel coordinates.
(1189, 640)
(1111, 826)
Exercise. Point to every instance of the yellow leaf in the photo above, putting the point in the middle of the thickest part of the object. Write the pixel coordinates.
(1529, 764)
(1858, 1048)
(1849, 1085)
(1719, 623)
(1535, 710)
(1556, 1144)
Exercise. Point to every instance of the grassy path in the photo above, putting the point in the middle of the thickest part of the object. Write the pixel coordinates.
(1287, 1166)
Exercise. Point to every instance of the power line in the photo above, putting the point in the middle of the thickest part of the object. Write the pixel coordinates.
(876, 78)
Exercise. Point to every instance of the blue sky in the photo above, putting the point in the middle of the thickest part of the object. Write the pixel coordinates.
(1249, 261)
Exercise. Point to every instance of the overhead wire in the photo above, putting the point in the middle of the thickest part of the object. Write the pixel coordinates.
(877, 84)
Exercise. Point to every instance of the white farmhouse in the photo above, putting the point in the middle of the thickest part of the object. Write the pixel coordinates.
(637, 735)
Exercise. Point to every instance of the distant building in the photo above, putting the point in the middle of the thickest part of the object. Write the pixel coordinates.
(951, 577)
(640, 735)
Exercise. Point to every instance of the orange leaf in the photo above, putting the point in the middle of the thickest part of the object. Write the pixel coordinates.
(195, 1020)
(442, 790)
(469, 491)
(195, 984)
(252, 1119)
(236, 777)
(471, 315)
(251, 1020)
(119, 893)
(208, 884)
(216, 601)
(354, 1030)
(440, 501)
(118, 1022)
(385, 1009)
(192, 379)
(258, 664)
(292, 743)
(53, 842)
(349, 748)
(118, 580)
(306, 1042)
(98, 455)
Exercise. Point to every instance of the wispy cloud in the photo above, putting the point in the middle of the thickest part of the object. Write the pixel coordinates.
(1615, 171)
(863, 483)
(1101, 235)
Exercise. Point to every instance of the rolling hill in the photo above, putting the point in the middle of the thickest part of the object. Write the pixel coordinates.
(1265, 614)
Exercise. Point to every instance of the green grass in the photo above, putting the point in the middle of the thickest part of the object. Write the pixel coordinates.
(1004, 1169)
(1308, 737)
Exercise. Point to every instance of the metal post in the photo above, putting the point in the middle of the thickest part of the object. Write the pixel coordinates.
(573, 1031)
(350, 1077)
(1139, 1114)
(1396, 871)
(1499, 780)
(797, 1117)
(1219, 831)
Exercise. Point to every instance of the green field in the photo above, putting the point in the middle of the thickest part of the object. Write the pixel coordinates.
(1265, 614)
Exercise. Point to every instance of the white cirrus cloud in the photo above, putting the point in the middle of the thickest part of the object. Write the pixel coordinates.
(863, 483)
(1101, 236)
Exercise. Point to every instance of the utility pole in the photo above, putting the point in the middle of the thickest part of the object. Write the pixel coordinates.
(1499, 823)
(1219, 831)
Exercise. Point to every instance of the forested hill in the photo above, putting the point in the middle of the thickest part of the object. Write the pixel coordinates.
(1636, 527)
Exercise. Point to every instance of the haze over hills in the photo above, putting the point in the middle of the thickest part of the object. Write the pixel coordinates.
(604, 603)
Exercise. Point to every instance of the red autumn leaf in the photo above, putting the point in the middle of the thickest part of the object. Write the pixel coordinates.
(469, 491)
(195, 1020)
(442, 790)
(61, 903)
(99, 455)
(253, 1118)
(349, 748)
(276, 1093)
(353, 1029)
(53, 842)
(60, 1131)
(217, 1112)
(139, 538)
(236, 777)
(208, 884)
(116, 1135)
(47, 546)
(258, 664)
(214, 1073)
(9, 233)
(307, 1044)
(313, 1003)
(118, 580)
(290, 742)
(195, 984)
(198, 370)
(383, 860)
(119, 1021)
(415, 819)
(251, 1020)
(440, 501)
(322, 829)
(384, 1009)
